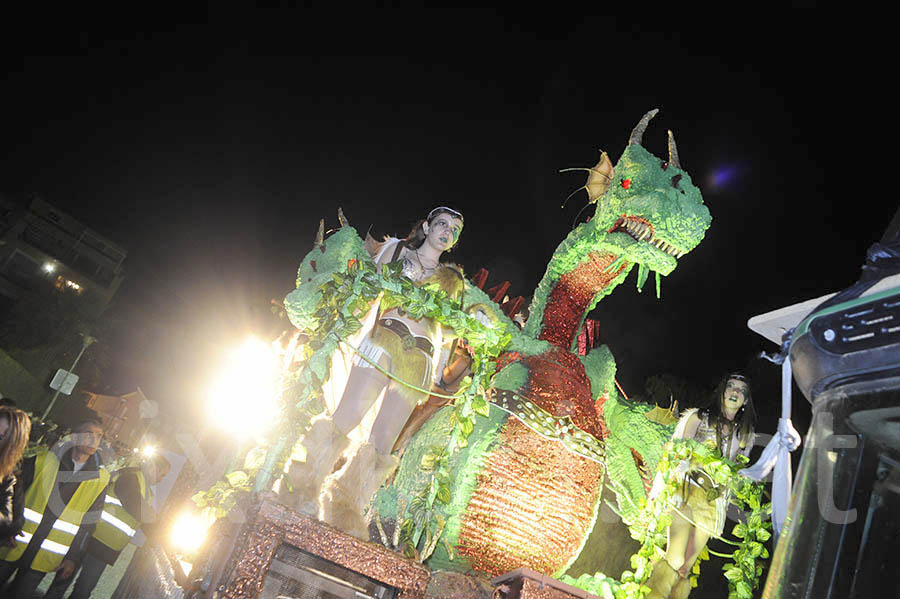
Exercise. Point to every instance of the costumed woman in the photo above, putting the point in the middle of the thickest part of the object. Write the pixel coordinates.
(728, 425)
(407, 348)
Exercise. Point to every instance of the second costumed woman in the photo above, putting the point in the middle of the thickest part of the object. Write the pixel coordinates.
(701, 510)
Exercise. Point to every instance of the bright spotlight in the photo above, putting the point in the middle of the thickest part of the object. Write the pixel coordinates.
(243, 398)
(148, 451)
(188, 532)
(49, 267)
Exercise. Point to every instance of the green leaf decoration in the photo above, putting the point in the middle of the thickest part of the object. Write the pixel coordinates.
(481, 406)
(255, 458)
(756, 549)
(428, 461)
(238, 478)
(443, 494)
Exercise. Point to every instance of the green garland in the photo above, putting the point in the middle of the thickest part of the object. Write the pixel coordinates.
(655, 517)
(221, 498)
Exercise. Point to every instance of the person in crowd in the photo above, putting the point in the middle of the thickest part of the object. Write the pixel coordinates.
(406, 347)
(729, 426)
(128, 507)
(64, 490)
(15, 427)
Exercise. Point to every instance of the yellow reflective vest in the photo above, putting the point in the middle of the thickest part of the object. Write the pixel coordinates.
(117, 525)
(56, 545)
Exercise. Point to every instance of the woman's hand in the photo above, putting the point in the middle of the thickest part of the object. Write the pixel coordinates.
(789, 435)
(66, 569)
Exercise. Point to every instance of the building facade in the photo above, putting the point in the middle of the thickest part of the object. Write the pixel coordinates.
(41, 243)
(44, 250)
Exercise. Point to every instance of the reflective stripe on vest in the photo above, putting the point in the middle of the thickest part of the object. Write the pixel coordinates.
(117, 526)
(55, 546)
(46, 544)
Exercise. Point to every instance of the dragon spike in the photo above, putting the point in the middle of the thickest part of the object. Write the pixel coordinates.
(643, 271)
(615, 264)
(638, 133)
(320, 235)
(341, 218)
(673, 152)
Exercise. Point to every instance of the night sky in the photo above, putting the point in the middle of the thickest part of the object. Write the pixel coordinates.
(210, 152)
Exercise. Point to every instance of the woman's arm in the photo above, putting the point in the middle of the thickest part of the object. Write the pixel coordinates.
(390, 251)
(457, 365)
(689, 430)
(751, 441)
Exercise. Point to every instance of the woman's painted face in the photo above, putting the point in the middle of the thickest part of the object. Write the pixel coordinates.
(735, 395)
(443, 232)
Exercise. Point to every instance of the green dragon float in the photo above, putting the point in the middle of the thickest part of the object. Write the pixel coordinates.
(526, 492)
(511, 473)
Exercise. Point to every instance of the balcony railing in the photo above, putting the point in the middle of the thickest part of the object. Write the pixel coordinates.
(73, 252)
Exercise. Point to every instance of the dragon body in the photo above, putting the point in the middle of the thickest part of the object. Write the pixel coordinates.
(526, 488)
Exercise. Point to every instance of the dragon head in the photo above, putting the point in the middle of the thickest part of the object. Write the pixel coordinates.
(650, 208)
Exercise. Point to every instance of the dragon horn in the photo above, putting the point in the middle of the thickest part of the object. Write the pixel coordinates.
(341, 218)
(638, 133)
(673, 151)
(320, 235)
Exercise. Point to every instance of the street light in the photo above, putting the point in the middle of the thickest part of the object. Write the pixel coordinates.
(188, 532)
(243, 397)
(86, 341)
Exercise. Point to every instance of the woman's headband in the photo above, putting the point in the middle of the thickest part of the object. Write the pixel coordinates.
(450, 211)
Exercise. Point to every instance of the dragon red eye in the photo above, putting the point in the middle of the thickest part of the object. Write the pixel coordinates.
(626, 183)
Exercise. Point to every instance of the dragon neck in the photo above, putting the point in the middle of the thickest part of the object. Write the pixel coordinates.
(563, 299)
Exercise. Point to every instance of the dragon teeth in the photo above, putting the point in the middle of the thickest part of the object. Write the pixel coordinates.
(644, 232)
(667, 248)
